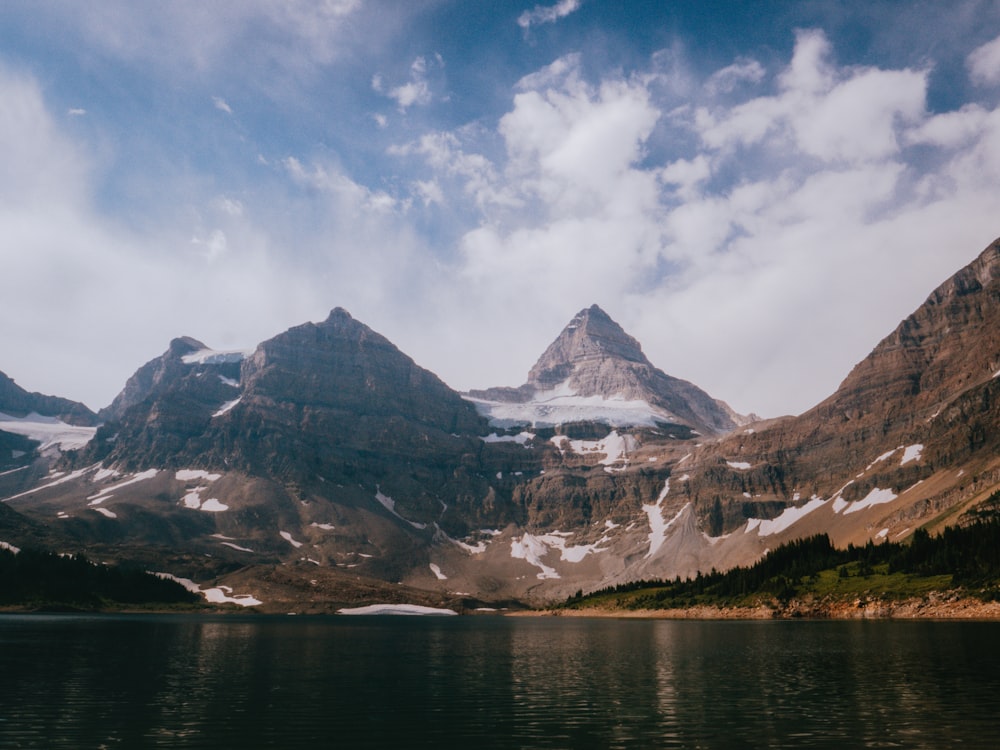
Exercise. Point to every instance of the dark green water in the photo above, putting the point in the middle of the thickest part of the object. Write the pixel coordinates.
(491, 682)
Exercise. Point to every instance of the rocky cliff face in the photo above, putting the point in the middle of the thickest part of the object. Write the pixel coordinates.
(595, 369)
(932, 383)
(184, 356)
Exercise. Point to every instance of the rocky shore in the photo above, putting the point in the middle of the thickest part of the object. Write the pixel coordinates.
(938, 606)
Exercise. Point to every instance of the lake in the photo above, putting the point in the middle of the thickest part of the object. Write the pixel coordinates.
(167, 681)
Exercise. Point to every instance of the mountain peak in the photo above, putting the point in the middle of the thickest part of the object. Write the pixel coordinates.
(338, 314)
(591, 336)
(183, 345)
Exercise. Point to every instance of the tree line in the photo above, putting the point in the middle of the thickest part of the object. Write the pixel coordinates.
(970, 555)
(37, 578)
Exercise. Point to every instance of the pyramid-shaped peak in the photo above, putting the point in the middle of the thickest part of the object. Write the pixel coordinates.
(338, 314)
(591, 336)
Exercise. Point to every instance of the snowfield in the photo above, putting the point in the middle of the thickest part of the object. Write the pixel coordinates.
(213, 357)
(562, 405)
(48, 431)
(395, 609)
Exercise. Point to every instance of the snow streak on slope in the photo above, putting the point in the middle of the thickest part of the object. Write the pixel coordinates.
(787, 518)
(657, 526)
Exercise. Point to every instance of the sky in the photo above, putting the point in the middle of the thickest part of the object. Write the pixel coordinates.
(759, 192)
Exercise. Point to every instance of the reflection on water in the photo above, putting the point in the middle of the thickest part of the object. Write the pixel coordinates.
(488, 682)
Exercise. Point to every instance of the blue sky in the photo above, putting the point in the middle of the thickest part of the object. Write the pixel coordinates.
(758, 191)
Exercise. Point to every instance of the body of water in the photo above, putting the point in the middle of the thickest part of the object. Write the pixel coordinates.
(493, 682)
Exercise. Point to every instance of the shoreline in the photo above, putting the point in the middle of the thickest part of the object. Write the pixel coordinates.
(931, 608)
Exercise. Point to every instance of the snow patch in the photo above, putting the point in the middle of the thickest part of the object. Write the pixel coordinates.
(106, 513)
(788, 517)
(615, 448)
(436, 570)
(912, 453)
(739, 465)
(9, 547)
(187, 475)
(521, 438)
(213, 506)
(324, 526)
(192, 499)
(221, 595)
(531, 549)
(215, 595)
(875, 497)
(288, 538)
(395, 609)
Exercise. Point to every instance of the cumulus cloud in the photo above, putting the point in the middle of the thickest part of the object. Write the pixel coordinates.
(824, 234)
(758, 226)
(984, 63)
(547, 13)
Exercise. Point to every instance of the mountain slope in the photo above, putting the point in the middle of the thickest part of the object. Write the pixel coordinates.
(926, 399)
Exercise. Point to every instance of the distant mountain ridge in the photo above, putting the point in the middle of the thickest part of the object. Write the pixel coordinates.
(17, 402)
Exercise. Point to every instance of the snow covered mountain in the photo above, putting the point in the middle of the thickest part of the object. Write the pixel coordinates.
(595, 372)
(326, 467)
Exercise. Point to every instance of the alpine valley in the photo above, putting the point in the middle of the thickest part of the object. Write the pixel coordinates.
(326, 468)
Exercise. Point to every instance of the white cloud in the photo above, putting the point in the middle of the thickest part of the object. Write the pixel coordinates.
(547, 13)
(196, 36)
(849, 115)
(741, 71)
(984, 63)
(758, 228)
(417, 91)
(221, 105)
(74, 279)
(765, 288)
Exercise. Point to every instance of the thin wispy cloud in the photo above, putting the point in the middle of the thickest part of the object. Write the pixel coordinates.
(221, 105)
(547, 13)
